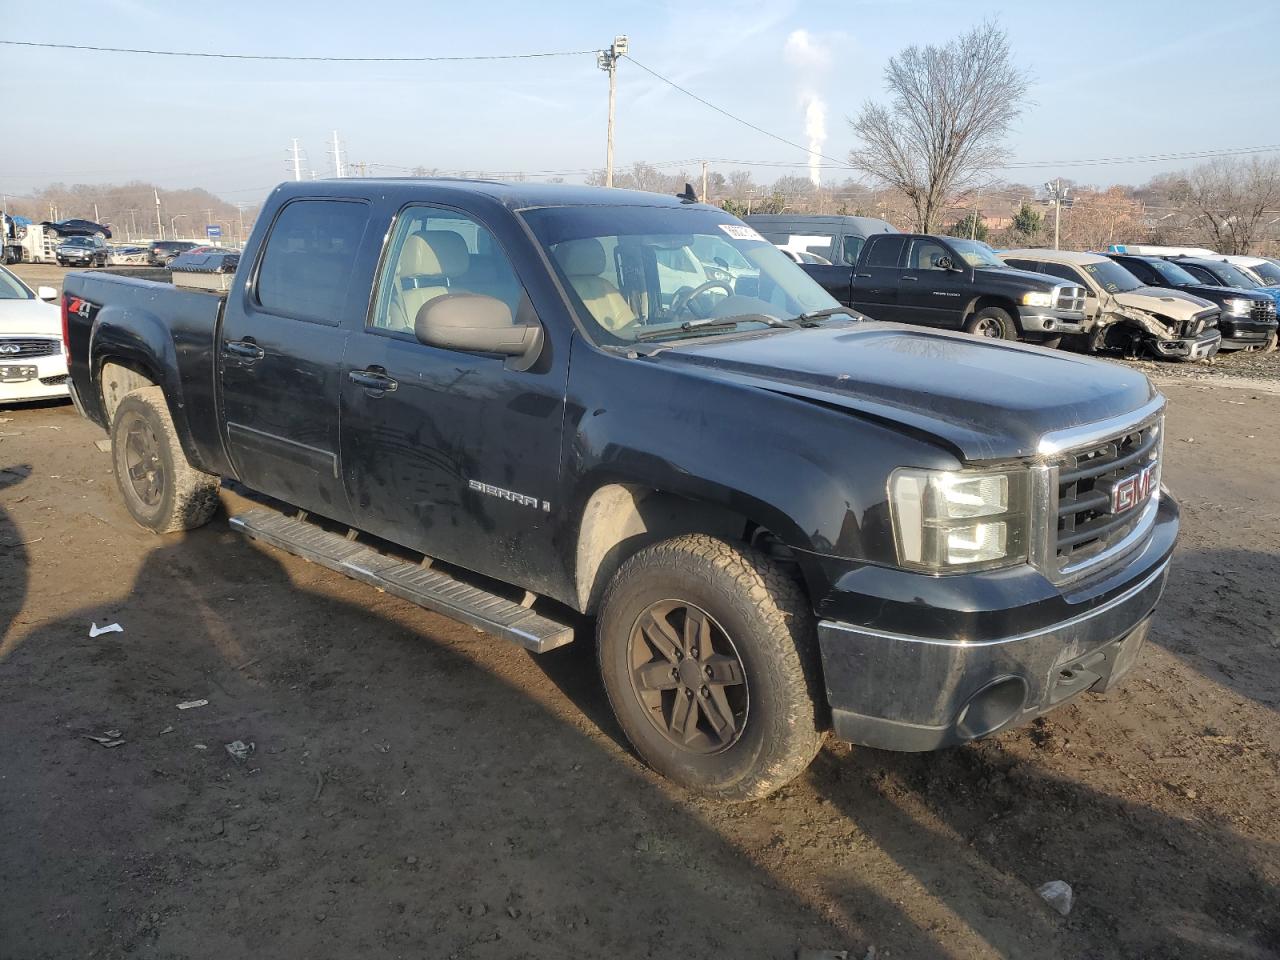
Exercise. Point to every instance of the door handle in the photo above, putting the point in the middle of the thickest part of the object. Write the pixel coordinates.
(910, 278)
(243, 349)
(372, 379)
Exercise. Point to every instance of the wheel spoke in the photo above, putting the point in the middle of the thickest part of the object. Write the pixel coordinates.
(697, 634)
(137, 471)
(724, 671)
(684, 719)
(715, 707)
(661, 636)
(656, 675)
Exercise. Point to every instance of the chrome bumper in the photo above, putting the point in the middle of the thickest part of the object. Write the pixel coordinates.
(1037, 321)
(920, 693)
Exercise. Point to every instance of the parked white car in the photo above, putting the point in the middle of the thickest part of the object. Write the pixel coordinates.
(32, 364)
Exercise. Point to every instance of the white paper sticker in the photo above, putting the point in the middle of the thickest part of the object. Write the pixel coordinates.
(740, 231)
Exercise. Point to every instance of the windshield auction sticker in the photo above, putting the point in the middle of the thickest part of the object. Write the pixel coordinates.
(740, 231)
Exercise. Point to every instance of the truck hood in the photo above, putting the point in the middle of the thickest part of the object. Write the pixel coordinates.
(1032, 279)
(29, 318)
(985, 399)
(1174, 304)
(1238, 292)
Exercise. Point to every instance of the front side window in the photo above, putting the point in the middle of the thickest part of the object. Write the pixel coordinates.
(1171, 272)
(853, 247)
(435, 252)
(308, 259)
(635, 273)
(927, 255)
(976, 253)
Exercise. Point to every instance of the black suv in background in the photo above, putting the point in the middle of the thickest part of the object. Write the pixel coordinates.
(82, 252)
(1248, 316)
(164, 252)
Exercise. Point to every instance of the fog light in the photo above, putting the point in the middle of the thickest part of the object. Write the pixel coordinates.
(992, 707)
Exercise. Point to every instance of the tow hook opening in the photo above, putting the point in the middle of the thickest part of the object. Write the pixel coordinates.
(992, 707)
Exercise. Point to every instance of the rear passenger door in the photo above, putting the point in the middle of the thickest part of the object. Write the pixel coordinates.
(875, 282)
(452, 453)
(281, 354)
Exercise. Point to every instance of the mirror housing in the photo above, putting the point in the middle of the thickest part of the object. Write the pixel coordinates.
(945, 263)
(474, 323)
(48, 294)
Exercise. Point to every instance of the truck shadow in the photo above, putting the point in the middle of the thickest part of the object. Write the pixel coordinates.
(413, 788)
(13, 553)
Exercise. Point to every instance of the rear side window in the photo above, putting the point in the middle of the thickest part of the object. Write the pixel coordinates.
(884, 251)
(1141, 269)
(852, 247)
(1031, 265)
(308, 258)
(1064, 272)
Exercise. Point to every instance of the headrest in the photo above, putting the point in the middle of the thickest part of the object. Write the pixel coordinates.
(418, 258)
(582, 258)
(450, 249)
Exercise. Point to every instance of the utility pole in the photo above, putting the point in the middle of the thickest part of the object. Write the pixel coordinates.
(337, 156)
(297, 161)
(96, 216)
(607, 60)
(134, 220)
(703, 197)
(159, 221)
(1057, 195)
(240, 208)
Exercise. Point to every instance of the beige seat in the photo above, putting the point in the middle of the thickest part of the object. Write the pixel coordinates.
(583, 262)
(430, 262)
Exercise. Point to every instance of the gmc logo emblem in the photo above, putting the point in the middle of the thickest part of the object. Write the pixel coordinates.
(1131, 491)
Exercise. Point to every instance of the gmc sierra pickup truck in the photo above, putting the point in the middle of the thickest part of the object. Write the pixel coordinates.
(952, 283)
(782, 517)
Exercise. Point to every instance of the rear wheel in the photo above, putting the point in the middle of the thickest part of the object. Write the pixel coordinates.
(707, 653)
(161, 490)
(993, 322)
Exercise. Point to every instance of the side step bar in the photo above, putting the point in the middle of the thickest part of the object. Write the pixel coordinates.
(413, 582)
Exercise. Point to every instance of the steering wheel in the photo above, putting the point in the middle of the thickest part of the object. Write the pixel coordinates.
(680, 302)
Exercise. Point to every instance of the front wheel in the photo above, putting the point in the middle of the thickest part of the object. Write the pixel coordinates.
(707, 653)
(992, 322)
(161, 490)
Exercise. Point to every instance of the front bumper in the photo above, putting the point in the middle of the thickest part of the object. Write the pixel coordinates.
(963, 678)
(1243, 332)
(1200, 347)
(1053, 322)
(50, 380)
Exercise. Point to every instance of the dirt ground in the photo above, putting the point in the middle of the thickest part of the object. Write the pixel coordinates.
(417, 789)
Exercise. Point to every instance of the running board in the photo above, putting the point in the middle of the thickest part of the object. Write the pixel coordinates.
(411, 581)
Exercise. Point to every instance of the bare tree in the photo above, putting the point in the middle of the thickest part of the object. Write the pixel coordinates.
(949, 110)
(1231, 200)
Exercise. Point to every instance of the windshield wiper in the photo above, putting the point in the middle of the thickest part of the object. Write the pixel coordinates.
(812, 318)
(715, 323)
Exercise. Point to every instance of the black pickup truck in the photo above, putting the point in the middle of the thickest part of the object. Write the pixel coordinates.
(955, 284)
(782, 517)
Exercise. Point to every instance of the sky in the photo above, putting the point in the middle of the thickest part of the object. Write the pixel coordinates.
(1110, 79)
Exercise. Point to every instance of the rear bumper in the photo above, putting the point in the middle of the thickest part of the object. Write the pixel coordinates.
(1039, 320)
(957, 681)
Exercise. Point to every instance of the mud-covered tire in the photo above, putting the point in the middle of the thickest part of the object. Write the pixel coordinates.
(759, 607)
(993, 322)
(161, 491)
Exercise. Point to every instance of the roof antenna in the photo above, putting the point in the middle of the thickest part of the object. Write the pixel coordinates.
(688, 196)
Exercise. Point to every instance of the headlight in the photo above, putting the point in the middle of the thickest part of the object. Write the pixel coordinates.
(947, 522)
(1037, 299)
(1239, 307)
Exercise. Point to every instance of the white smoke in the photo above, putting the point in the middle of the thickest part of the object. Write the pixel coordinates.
(810, 58)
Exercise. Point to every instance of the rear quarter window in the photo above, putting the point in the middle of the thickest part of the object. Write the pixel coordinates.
(884, 251)
(309, 255)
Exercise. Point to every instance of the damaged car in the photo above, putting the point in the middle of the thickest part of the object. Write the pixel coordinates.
(1121, 313)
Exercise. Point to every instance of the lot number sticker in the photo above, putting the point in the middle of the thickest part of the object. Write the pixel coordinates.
(740, 231)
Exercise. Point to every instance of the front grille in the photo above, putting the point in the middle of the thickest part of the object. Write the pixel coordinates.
(1088, 530)
(27, 347)
(1070, 298)
(1202, 321)
(1263, 311)
(54, 381)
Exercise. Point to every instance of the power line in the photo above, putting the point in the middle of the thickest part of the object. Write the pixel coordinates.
(309, 59)
(1147, 158)
(724, 112)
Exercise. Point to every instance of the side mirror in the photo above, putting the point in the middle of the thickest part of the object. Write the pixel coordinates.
(47, 293)
(944, 263)
(477, 324)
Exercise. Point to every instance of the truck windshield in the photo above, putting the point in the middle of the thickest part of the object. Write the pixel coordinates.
(1172, 272)
(976, 253)
(1229, 276)
(11, 288)
(1111, 277)
(636, 273)
(1269, 273)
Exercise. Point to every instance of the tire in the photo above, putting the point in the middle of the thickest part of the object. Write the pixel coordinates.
(992, 322)
(161, 490)
(751, 611)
